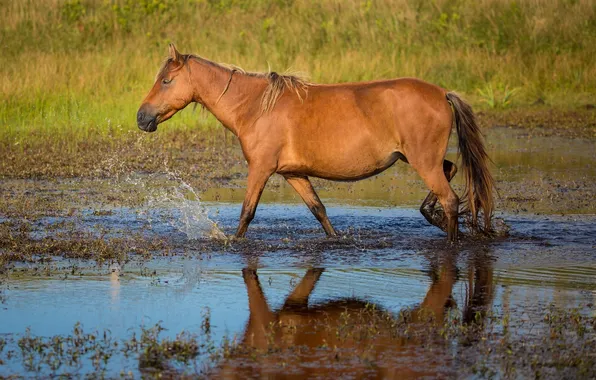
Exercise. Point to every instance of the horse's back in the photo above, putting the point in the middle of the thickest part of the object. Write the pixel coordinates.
(355, 130)
(376, 107)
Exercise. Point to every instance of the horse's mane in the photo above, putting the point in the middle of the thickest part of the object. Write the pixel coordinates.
(275, 89)
(277, 84)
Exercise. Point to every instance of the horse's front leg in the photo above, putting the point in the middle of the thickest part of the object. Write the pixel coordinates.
(304, 188)
(300, 295)
(257, 178)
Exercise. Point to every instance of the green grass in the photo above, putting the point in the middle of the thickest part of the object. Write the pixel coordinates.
(69, 67)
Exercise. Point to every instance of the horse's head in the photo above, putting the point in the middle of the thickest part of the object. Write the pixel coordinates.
(171, 92)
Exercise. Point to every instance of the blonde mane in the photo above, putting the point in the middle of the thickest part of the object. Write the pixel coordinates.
(278, 83)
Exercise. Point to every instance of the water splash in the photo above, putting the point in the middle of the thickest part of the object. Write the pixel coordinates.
(165, 193)
(182, 201)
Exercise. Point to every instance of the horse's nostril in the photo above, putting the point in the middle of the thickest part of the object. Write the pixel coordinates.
(140, 117)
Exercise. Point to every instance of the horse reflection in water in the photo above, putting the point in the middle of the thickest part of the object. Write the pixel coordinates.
(351, 337)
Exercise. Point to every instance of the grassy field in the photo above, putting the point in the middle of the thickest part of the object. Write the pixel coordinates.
(72, 70)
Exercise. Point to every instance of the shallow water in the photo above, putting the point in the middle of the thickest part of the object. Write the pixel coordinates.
(178, 298)
(386, 256)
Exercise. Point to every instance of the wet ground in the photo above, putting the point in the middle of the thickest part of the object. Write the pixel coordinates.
(130, 252)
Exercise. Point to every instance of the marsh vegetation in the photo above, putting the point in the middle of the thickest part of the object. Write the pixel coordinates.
(74, 69)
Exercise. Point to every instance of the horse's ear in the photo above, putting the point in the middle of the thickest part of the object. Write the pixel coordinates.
(174, 55)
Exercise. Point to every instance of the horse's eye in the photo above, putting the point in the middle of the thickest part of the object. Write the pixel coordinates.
(166, 81)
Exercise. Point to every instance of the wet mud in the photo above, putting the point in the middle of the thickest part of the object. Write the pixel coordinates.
(128, 270)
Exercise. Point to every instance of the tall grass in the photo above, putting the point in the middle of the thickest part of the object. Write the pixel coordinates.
(69, 67)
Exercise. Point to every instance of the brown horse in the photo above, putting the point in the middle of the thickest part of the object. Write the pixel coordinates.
(294, 334)
(342, 132)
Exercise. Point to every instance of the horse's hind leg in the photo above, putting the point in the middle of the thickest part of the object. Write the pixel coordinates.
(437, 182)
(436, 217)
(303, 187)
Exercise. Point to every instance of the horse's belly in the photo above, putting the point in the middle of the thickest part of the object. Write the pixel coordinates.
(340, 168)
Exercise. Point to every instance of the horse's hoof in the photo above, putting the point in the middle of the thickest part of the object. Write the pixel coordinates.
(439, 219)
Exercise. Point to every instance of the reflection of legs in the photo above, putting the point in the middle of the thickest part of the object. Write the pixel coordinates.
(439, 296)
(437, 217)
(260, 315)
(299, 297)
(303, 187)
(257, 178)
(480, 296)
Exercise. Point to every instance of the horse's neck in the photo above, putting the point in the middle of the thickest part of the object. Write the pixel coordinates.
(231, 96)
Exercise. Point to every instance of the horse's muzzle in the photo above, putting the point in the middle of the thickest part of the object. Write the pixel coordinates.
(146, 122)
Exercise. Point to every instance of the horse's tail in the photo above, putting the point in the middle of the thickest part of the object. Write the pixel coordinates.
(479, 181)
